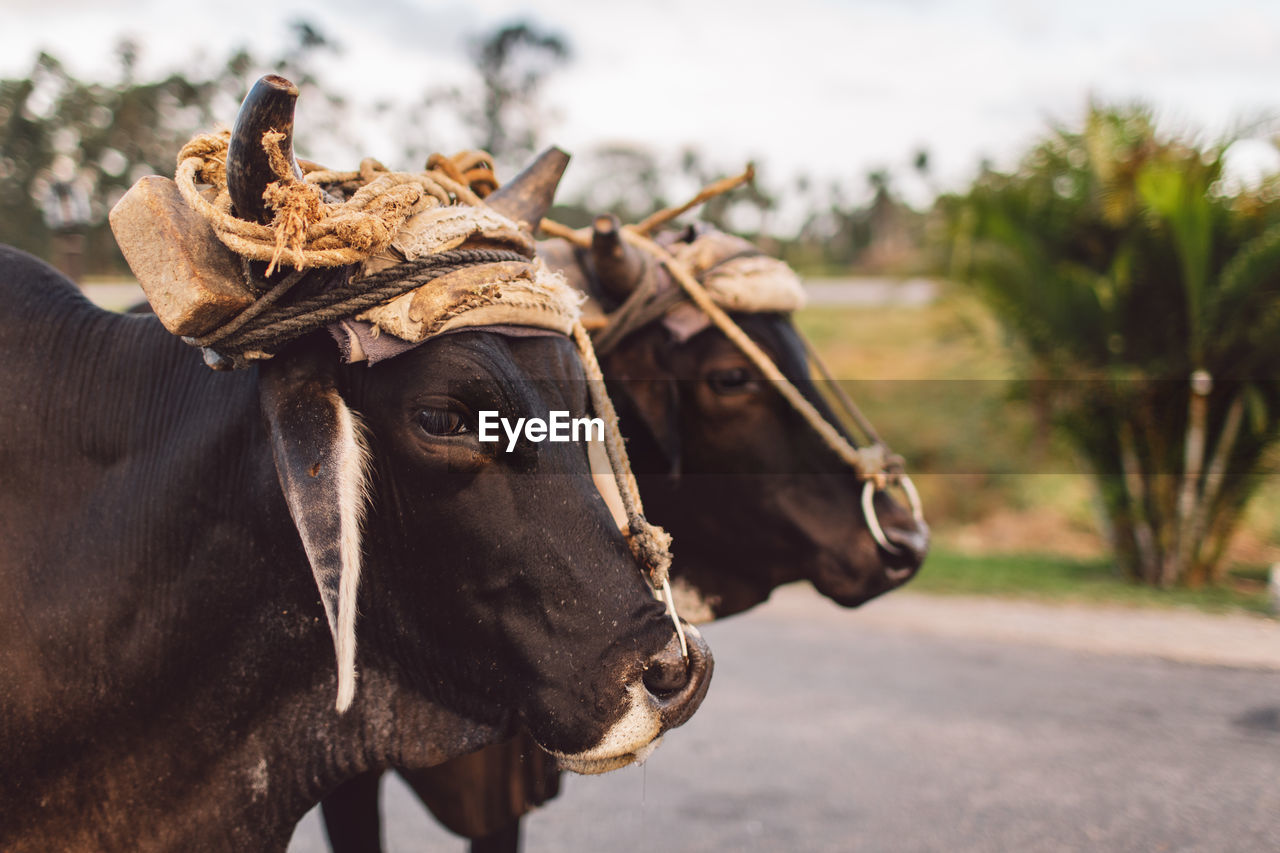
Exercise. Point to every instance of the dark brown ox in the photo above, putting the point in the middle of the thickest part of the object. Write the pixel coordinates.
(753, 496)
(167, 677)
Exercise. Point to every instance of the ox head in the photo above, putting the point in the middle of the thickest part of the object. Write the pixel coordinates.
(753, 495)
(488, 580)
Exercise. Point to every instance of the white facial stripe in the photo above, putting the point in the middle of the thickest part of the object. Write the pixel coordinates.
(353, 498)
(624, 742)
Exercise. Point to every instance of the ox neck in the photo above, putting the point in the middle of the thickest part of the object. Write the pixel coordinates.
(267, 780)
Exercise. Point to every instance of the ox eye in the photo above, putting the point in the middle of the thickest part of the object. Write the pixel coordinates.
(442, 422)
(733, 380)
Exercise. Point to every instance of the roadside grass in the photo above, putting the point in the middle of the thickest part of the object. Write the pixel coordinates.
(1053, 577)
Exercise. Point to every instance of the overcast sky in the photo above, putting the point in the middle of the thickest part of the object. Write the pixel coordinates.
(828, 87)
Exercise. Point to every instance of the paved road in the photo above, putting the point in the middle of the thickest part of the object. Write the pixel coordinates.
(827, 732)
(867, 291)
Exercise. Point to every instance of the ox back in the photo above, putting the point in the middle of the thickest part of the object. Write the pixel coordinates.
(165, 683)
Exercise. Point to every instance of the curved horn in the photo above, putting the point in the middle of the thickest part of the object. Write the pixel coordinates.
(268, 106)
(618, 265)
(529, 196)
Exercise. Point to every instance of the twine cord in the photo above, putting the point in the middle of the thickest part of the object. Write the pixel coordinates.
(650, 544)
(247, 332)
(869, 462)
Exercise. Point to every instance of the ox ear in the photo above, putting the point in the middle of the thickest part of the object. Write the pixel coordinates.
(322, 461)
(644, 386)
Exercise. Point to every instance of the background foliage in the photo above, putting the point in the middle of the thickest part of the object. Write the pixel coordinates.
(1143, 290)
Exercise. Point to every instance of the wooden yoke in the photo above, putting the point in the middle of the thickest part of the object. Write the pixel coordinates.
(193, 282)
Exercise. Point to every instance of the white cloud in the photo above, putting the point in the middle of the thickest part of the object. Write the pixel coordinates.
(826, 87)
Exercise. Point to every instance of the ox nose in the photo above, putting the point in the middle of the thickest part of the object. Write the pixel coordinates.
(678, 685)
(912, 544)
(666, 671)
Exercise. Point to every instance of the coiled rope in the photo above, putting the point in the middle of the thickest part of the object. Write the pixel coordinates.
(311, 228)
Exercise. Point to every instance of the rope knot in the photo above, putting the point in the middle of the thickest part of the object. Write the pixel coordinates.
(871, 463)
(651, 546)
(298, 204)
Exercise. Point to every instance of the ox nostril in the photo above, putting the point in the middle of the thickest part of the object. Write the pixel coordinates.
(667, 671)
(912, 543)
(676, 685)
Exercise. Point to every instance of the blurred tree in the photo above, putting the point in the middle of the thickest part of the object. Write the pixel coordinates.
(71, 147)
(415, 126)
(870, 231)
(500, 110)
(623, 179)
(632, 181)
(746, 210)
(890, 226)
(920, 161)
(57, 132)
(513, 63)
(1123, 267)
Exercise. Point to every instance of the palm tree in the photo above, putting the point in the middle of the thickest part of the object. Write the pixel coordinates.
(1149, 294)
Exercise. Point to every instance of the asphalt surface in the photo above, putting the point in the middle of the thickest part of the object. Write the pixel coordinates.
(824, 731)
